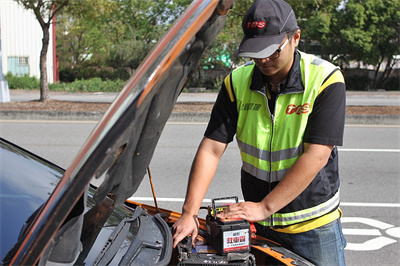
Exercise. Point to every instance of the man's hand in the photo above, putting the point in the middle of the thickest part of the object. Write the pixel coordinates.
(186, 225)
(249, 211)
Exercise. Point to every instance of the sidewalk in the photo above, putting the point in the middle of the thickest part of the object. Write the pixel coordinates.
(353, 98)
(101, 97)
(359, 98)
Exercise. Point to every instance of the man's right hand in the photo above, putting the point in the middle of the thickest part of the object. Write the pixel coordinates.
(201, 174)
(186, 225)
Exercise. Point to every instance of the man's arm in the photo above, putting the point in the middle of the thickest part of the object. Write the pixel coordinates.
(296, 180)
(201, 174)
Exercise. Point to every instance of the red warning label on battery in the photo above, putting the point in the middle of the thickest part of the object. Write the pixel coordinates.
(236, 240)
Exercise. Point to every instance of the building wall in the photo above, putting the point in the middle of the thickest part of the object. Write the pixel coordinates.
(21, 41)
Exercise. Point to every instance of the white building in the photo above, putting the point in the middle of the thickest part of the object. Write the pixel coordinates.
(21, 41)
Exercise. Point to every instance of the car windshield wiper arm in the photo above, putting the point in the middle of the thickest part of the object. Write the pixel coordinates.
(116, 239)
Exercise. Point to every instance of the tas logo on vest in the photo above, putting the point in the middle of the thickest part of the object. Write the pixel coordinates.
(298, 109)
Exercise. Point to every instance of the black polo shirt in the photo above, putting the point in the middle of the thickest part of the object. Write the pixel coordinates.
(325, 124)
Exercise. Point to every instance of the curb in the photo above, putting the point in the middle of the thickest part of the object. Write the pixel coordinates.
(54, 115)
(372, 119)
(352, 119)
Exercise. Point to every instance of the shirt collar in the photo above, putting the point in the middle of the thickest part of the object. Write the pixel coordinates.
(293, 80)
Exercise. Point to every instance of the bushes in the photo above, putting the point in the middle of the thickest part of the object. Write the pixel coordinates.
(357, 83)
(24, 82)
(361, 83)
(70, 75)
(392, 84)
(89, 85)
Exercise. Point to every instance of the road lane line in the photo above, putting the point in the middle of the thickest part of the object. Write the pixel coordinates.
(370, 150)
(348, 204)
(51, 121)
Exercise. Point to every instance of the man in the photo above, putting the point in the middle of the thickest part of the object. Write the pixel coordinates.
(287, 111)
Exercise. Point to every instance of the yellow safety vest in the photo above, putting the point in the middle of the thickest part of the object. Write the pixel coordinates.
(270, 144)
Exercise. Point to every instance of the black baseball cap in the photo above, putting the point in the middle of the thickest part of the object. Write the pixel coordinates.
(265, 26)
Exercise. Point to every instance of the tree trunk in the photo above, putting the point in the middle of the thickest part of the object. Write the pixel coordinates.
(44, 86)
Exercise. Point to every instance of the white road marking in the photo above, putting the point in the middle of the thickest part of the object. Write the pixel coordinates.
(369, 150)
(361, 232)
(351, 204)
(372, 244)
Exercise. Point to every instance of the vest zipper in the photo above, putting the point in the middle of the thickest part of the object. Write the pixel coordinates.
(270, 161)
(272, 115)
(270, 149)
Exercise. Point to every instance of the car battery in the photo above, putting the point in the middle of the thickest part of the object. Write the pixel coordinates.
(206, 255)
(227, 235)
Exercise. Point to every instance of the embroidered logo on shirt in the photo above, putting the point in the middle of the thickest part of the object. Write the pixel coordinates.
(298, 109)
(251, 107)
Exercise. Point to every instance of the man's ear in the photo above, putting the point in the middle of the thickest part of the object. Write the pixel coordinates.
(296, 38)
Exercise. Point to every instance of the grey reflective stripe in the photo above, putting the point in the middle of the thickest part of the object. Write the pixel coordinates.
(275, 156)
(317, 61)
(304, 215)
(263, 174)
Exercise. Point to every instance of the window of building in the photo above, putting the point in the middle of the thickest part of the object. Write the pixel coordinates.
(23, 61)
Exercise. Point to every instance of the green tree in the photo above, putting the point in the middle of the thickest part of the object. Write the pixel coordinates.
(222, 50)
(86, 35)
(144, 23)
(366, 31)
(113, 33)
(44, 12)
(230, 37)
(371, 32)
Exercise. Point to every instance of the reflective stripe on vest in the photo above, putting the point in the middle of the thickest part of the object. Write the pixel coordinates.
(284, 219)
(269, 175)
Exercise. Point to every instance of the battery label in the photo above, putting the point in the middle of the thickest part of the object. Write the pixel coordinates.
(236, 240)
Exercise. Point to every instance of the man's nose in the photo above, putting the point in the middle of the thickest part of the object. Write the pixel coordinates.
(263, 60)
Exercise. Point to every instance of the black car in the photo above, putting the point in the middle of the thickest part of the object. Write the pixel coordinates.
(52, 216)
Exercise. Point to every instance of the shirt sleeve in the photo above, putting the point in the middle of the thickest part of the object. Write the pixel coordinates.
(223, 120)
(326, 122)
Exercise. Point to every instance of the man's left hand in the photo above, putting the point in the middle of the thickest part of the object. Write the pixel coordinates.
(249, 211)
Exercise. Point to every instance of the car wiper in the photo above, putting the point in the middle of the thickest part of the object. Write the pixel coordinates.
(116, 239)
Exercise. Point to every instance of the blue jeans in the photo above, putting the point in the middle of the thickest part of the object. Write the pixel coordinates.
(321, 246)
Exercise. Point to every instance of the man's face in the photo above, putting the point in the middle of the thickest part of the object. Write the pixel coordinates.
(280, 62)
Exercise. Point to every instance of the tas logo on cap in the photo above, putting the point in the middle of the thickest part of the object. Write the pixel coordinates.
(256, 24)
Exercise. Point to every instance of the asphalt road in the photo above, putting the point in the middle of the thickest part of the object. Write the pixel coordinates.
(369, 174)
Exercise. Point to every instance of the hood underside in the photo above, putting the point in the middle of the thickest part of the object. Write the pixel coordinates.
(123, 142)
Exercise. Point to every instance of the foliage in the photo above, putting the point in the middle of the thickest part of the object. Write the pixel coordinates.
(214, 84)
(113, 33)
(226, 43)
(22, 82)
(365, 31)
(86, 34)
(89, 85)
(357, 83)
(144, 23)
(392, 84)
(121, 33)
(71, 74)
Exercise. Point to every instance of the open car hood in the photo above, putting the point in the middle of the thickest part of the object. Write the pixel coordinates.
(123, 142)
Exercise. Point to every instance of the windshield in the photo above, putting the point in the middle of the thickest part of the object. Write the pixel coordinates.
(26, 183)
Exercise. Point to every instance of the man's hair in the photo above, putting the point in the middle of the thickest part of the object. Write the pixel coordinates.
(291, 33)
